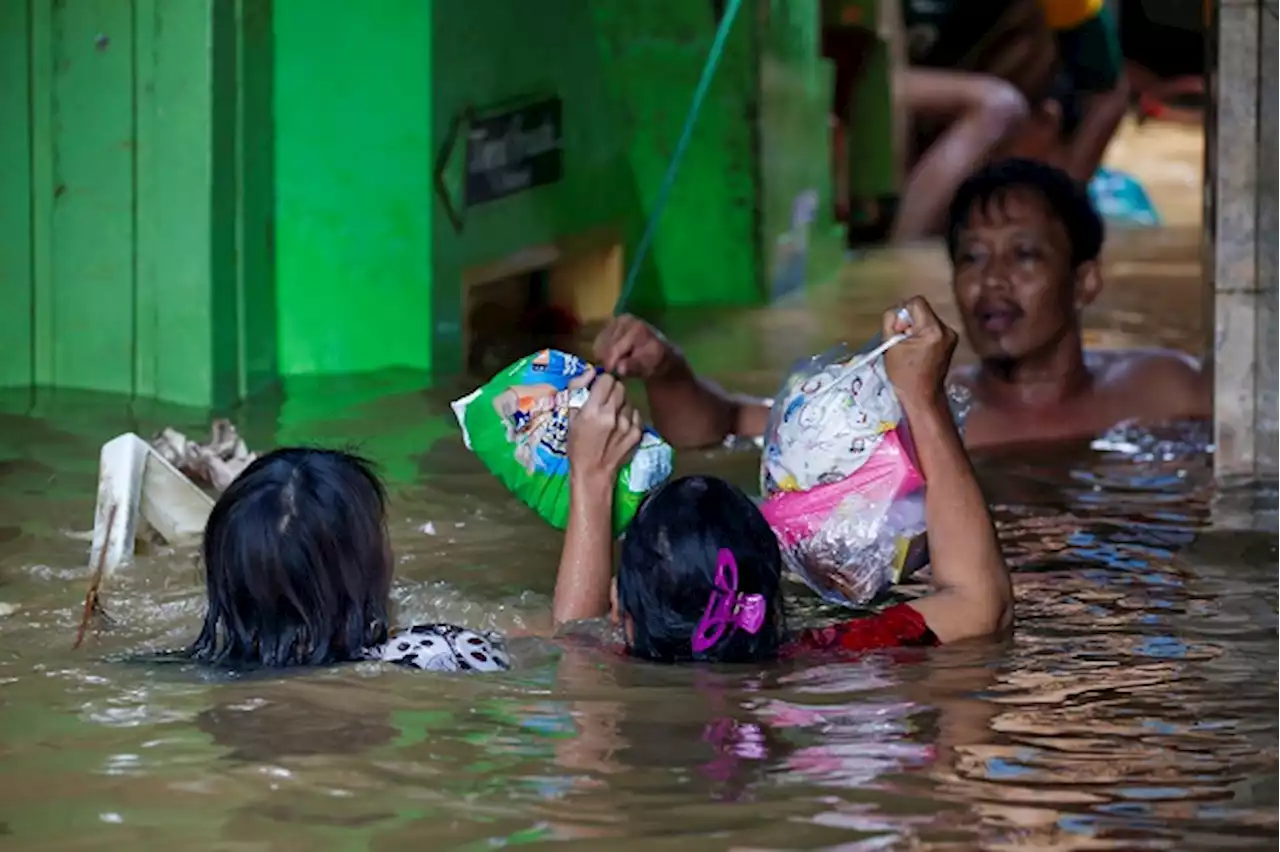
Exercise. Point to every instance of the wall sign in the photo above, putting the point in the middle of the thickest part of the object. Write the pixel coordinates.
(513, 151)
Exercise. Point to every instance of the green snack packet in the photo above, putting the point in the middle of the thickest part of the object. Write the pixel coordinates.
(518, 424)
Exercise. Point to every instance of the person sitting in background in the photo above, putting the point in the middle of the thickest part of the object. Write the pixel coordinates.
(966, 73)
(948, 111)
(1165, 59)
(1024, 241)
(1074, 125)
(979, 111)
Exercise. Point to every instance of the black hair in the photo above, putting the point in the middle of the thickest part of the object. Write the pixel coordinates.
(298, 567)
(668, 566)
(1066, 198)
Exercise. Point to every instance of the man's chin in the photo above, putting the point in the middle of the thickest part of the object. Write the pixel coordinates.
(1000, 359)
(995, 350)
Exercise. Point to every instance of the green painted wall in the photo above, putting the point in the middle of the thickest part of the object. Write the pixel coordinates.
(16, 238)
(207, 196)
(353, 105)
(706, 251)
(794, 156)
(369, 264)
(626, 73)
(122, 200)
(487, 54)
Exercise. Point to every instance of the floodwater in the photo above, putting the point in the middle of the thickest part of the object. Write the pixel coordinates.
(1135, 708)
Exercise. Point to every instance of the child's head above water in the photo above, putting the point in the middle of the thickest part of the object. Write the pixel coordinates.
(297, 561)
(699, 576)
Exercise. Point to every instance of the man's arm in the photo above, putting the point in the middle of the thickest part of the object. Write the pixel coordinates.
(687, 411)
(691, 412)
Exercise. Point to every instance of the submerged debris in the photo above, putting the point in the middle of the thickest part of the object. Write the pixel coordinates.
(160, 491)
(92, 604)
(214, 464)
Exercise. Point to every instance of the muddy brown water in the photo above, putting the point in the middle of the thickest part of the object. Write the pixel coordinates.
(1134, 709)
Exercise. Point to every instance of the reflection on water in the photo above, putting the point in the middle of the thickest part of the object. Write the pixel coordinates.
(1135, 708)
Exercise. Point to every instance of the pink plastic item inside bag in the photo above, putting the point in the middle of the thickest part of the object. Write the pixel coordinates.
(887, 475)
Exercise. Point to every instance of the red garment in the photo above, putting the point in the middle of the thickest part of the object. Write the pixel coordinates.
(898, 626)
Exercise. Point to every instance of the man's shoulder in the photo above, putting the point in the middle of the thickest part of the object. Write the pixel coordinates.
(1122, 367)
(1169, 380)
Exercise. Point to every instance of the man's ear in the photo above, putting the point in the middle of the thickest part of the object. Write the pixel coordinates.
(1088, 283)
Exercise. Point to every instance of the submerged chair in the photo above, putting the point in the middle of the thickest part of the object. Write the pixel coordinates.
(140, 490)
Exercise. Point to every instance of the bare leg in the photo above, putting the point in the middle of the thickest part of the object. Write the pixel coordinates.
(1155, 90)
(1141, 78)
(1143, 81)
(1039, 137)
(1103, 112)
(983, 112)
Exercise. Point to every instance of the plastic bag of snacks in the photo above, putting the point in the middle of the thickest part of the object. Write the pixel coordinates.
(518, 425)
(841, 486)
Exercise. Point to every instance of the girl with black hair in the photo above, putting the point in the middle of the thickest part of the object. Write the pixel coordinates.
(298, 573)
(700, 573)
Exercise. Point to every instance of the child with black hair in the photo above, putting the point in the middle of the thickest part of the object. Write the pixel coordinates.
(298, 573)
(700, 572)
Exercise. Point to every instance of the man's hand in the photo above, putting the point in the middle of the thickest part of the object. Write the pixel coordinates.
(918, 366)
(686, 411)
(603, 432)
(631, 348)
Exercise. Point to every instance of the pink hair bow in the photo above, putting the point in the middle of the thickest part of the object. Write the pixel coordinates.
(727, 609)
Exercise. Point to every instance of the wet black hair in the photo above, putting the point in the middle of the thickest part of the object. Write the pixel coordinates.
(298, 567)
(1065, 197)
(668, 566)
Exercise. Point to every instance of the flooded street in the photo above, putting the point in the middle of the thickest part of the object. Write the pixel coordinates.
(1134, 709)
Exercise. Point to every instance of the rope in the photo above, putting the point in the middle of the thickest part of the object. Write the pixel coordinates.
(699, 95)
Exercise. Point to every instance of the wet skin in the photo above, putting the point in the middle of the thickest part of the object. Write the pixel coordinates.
(1020, 296)
(1020, 301)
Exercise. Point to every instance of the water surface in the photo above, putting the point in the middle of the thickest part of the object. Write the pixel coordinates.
(1134, 709)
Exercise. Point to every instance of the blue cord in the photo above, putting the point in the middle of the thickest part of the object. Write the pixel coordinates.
(699, 95)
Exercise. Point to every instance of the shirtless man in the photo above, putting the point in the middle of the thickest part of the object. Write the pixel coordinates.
(1024, 243)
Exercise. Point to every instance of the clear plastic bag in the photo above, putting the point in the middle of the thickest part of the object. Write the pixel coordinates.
(842, 489)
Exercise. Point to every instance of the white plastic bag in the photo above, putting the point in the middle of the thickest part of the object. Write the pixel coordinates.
(842, 488)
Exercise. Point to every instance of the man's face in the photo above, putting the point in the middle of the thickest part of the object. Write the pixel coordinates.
(1012, 275)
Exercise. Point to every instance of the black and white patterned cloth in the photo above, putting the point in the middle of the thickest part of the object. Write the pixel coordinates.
(444, 648)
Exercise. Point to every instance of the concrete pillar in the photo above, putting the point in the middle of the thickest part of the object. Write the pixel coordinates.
(1241, 237)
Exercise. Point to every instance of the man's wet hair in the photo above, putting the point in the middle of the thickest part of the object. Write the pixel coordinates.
(1066, 198)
